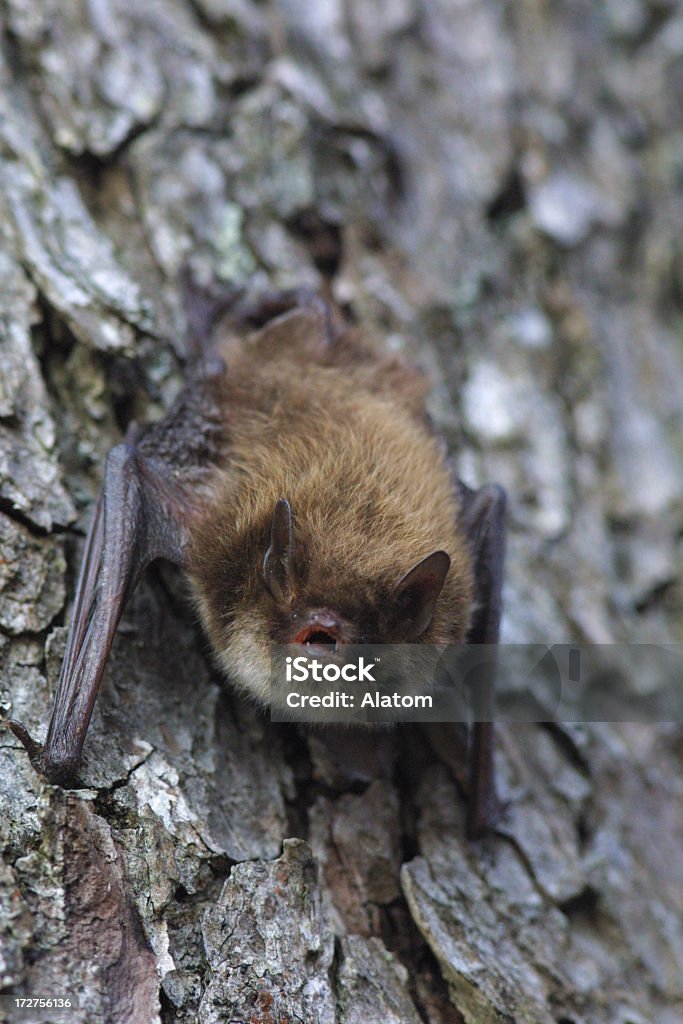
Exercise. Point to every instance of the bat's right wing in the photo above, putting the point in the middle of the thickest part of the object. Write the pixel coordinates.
(141, 515)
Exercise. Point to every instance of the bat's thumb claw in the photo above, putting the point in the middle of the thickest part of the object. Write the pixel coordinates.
(33, 749)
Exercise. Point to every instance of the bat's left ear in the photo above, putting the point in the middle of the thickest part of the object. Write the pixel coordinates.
(412, 603)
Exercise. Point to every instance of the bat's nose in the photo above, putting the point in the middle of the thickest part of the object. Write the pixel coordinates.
(323, 629)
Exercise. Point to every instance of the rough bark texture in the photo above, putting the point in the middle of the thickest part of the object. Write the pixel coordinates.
(494, 188)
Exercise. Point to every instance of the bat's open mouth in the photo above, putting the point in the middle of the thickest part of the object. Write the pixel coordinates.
(317, 636)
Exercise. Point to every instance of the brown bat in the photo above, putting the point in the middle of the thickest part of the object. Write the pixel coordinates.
(298, 483)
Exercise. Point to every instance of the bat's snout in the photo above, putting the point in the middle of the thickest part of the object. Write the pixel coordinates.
(323, 631)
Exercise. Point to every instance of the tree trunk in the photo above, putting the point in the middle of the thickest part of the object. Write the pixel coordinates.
(492, 188)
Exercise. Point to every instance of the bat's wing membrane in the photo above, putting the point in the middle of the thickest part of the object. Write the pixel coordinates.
(140, 516)
(483, 519)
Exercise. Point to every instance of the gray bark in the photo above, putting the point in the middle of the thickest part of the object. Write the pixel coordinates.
(495, 188)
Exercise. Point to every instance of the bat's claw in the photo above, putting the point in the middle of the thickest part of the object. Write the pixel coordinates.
(58, 772)
(33, 749)
(484, 819)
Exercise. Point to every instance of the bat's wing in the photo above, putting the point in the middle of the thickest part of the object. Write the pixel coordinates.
(483, 519)
(140, 516)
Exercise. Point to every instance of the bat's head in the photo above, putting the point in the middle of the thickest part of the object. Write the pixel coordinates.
(312, 608)
(297, 586)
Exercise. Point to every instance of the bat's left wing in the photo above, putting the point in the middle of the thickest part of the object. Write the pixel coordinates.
(483, 519)
(141, 515)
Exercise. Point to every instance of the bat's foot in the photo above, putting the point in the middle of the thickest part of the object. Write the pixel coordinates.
(59, 773)
(267, 306)
(204, 306)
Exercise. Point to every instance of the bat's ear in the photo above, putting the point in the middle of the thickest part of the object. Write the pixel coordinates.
(277, 564)
(412, 603)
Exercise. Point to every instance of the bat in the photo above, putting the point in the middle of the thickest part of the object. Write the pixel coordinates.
(298, 483)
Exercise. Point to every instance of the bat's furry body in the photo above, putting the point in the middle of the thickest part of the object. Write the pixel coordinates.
(299, 485)
(341, 432)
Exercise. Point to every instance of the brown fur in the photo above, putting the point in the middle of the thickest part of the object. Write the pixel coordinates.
(341, 432)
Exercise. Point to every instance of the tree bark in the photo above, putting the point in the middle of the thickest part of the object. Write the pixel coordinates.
(493, 189)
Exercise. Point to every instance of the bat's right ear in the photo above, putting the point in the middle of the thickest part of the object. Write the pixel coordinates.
(277, 564)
